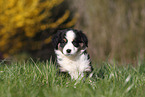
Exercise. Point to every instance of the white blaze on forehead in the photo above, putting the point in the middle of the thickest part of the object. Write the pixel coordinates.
(70, 35)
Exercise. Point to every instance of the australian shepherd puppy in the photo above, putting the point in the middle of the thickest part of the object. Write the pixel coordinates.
(70, 46)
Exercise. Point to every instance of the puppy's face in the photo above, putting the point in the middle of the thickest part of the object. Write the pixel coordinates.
(70, 41)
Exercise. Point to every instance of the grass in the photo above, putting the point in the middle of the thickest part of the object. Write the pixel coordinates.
(39, 79)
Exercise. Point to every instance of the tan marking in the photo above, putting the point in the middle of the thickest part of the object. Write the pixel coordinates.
(64, 40)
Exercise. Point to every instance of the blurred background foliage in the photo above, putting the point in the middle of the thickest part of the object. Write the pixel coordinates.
(27, 25)
(115, 28)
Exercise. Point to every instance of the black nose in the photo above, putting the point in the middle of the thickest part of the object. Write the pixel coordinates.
(68, 50)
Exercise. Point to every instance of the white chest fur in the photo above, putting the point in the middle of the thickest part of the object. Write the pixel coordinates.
(75, 66)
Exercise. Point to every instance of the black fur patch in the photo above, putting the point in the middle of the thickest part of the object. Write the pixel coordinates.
(60, 35)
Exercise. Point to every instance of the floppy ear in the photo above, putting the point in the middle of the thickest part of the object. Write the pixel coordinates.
(84, 40)
(55, 39)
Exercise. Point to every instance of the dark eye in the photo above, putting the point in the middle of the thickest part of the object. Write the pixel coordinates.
(75, 43)
(63, 41)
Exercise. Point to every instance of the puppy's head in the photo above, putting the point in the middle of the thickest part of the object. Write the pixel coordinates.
(70, 41)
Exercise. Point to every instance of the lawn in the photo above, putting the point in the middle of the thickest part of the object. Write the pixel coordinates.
(40, 79)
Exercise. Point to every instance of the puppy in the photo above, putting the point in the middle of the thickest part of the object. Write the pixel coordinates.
(70, 47)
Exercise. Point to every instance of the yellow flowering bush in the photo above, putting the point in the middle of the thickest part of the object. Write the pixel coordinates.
(23, 20)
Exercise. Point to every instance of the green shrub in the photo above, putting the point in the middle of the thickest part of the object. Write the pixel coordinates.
(24, 22)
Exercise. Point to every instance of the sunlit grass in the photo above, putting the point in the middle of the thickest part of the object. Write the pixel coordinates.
(31, 79)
